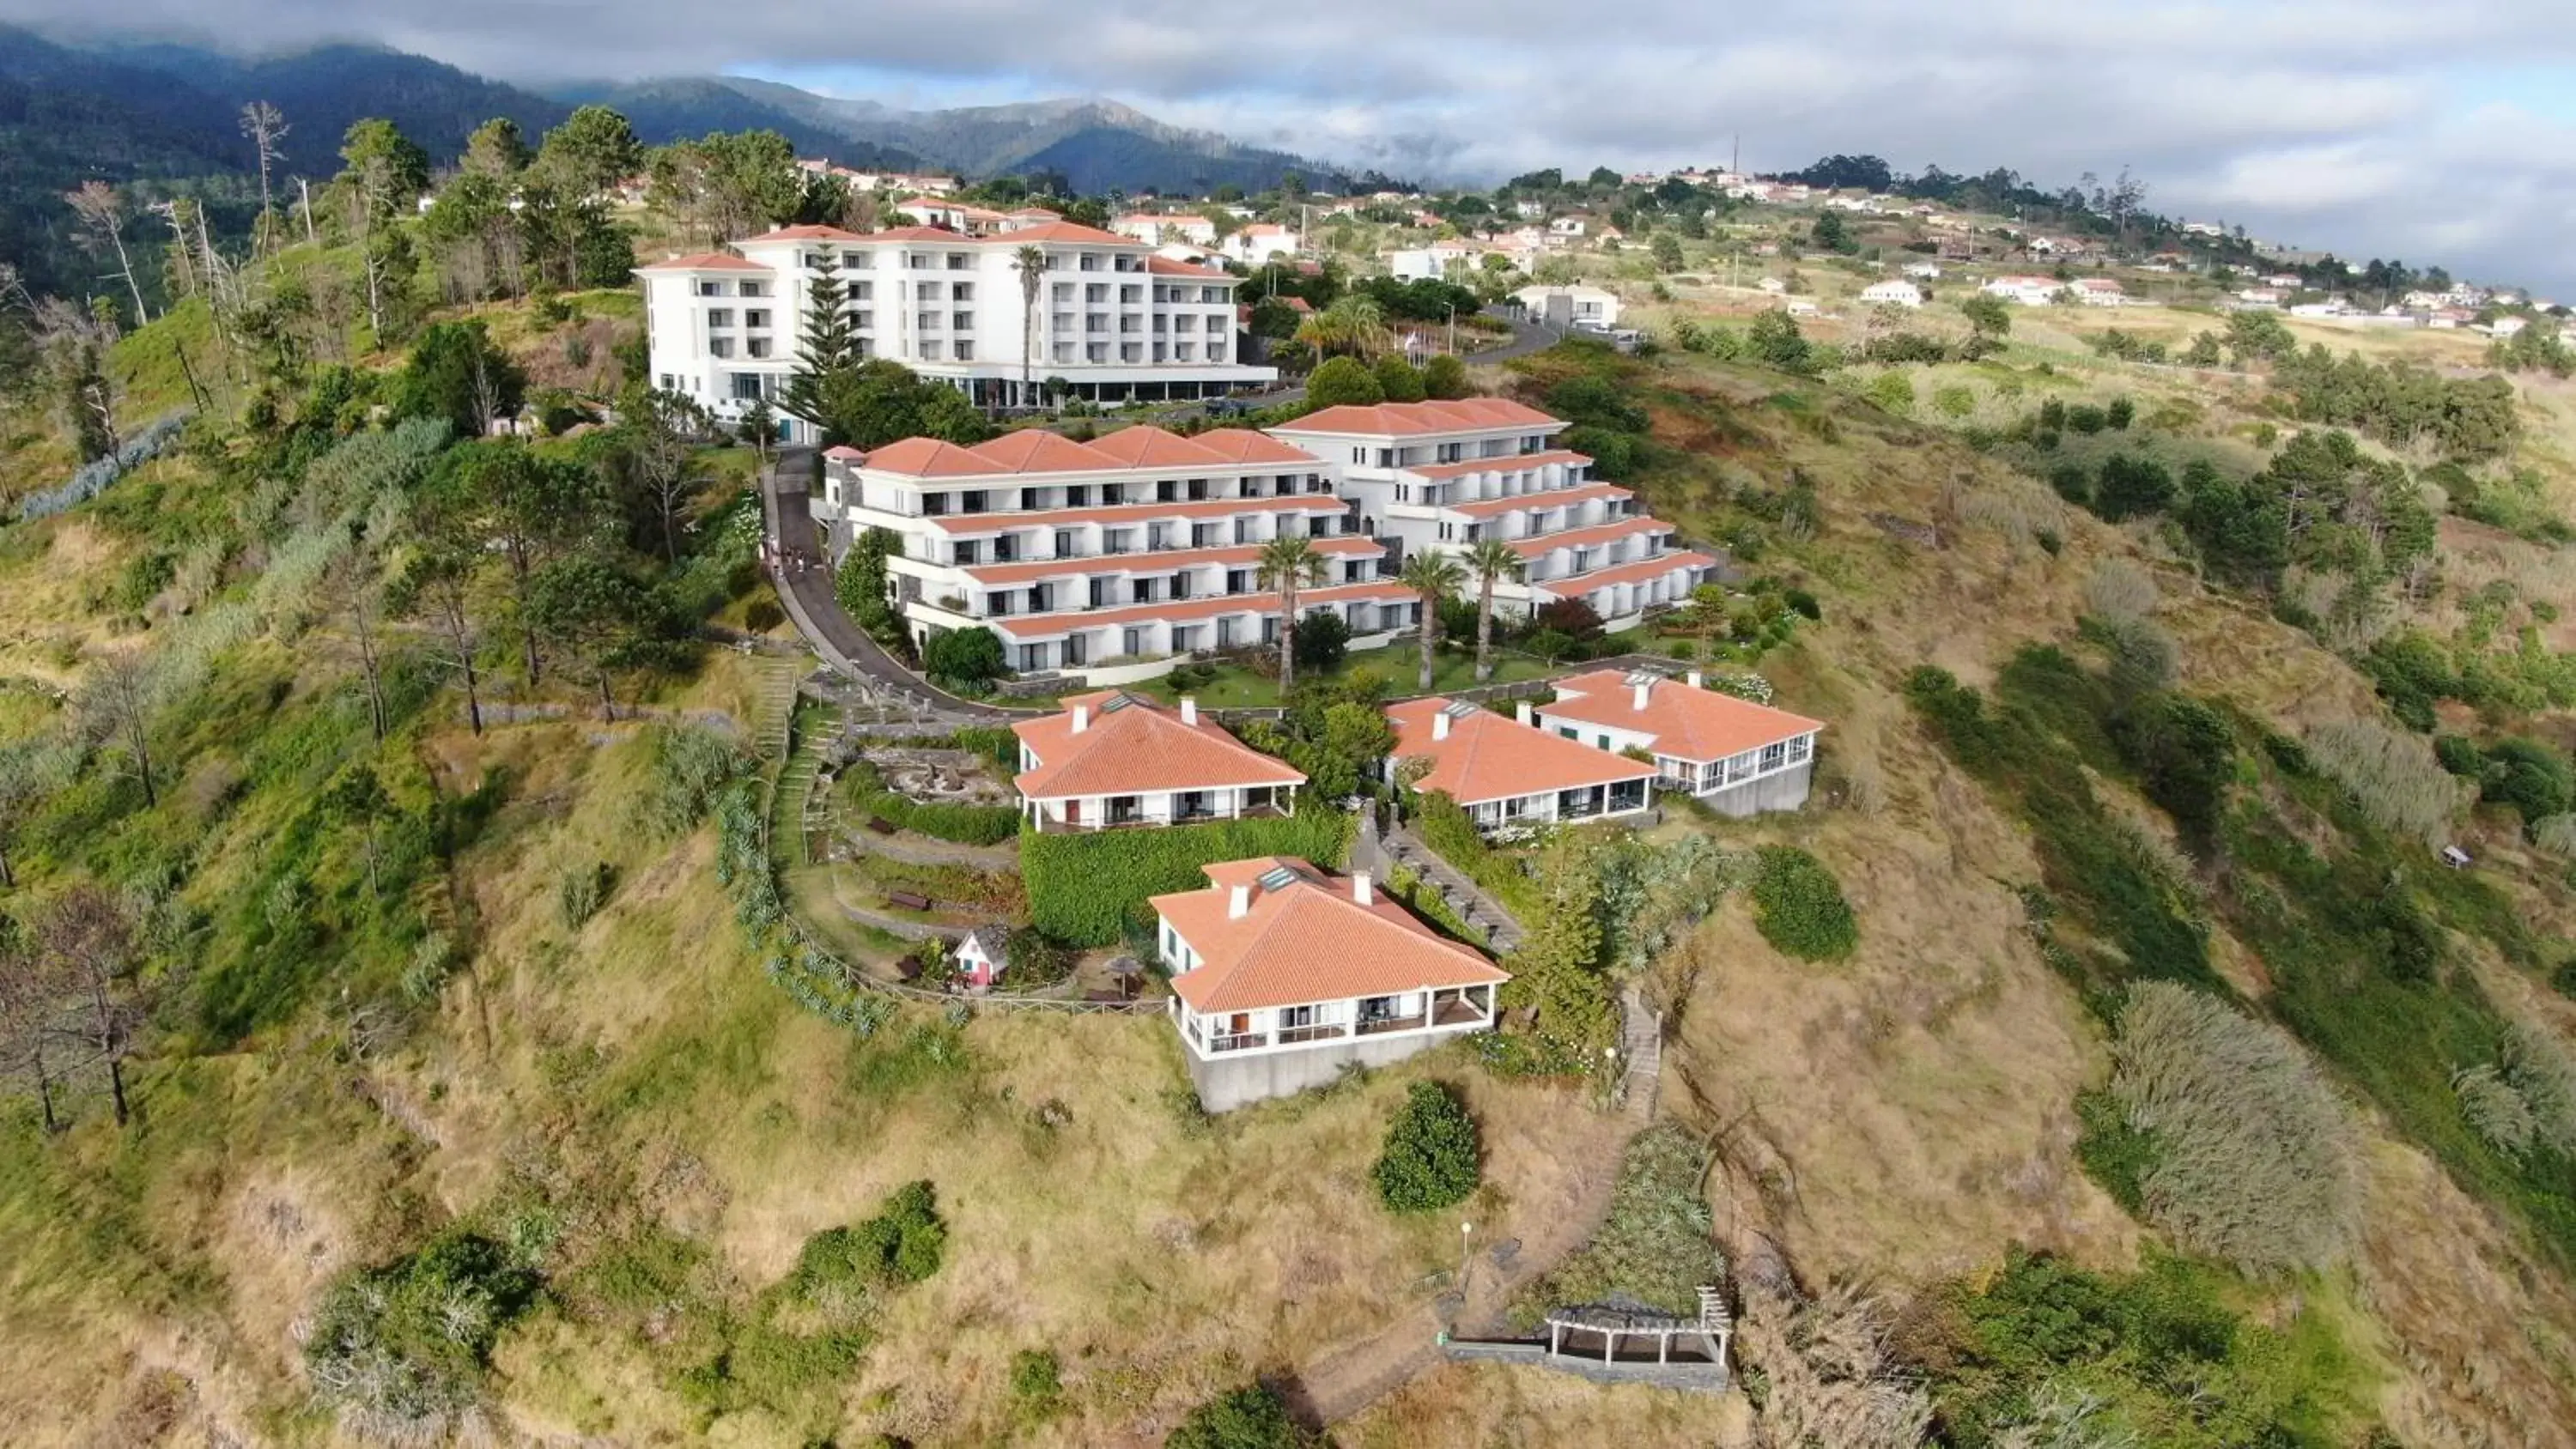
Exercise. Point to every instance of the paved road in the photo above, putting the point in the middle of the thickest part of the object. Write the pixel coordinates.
(1527, 337)
(808, 595)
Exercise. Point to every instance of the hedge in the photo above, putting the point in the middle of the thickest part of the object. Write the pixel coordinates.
(1799, 906)
(1084, 888)
(1431, 1157)
(965, 824)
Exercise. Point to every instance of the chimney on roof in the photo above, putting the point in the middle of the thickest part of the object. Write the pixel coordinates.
(1189, 709)
(1694, 678)
(1643, 687)
(1523, 713)
(1081, 718)
(1239, 905)
(1440, 725)
(1362, 890)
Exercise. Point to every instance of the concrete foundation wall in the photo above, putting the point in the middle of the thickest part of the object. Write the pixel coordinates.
(1786, 790)
(1232, 1080)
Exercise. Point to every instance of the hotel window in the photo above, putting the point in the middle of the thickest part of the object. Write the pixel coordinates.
(1130, 296)
(710, 289)
(1799, 747)
(960, 261)
(1774, 756)
(1097, 292)
(1077, 495)
(755, 317)
(1161, 322)
(747, 386)
(1131, 324)
(1183, 323)
(757, 347)
(930, 350)
(926, 291)
(1161, 352)
(970, 551)
(1063, 352)
(961, 321)
(923, 260)
(863, 291)
(1064, 291)
(928, 322)
(857, 261)
(755, 289)
(1211, 294)
(1131, 352)
(1183, 352)
(720, 316)
(863, 319)
(1090, 261)
(1215, 353)
(961, 291)
(720, 347)
(1095, 322)
(809, 259)
(965, 351)
(1063, 321)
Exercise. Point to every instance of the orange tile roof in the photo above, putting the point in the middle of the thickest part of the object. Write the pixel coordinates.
(1025, 627)
(1631, 573)
(1067, 231)
(1490, 757)
(1244, 445)
(1136, 747)
(1582, 537)
(1307, 941)
(1688, 723)
(1162, 266)
(1147, 446)
(930, 458)
(1405, 420)
(1158, 562)
(1509, 464)
(844, 453)
(919, 233)
(705, 262)
(1549, 498)
(1035, 450)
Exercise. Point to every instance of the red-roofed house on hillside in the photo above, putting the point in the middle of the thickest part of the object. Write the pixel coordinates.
(725, 327)
(1114, 759)
(1097, 559)
(1742, 758)
(1442, 475)
(1507, 772)
(1283, 974)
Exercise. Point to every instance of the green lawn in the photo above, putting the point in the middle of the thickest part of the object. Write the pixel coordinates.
(1236, 687)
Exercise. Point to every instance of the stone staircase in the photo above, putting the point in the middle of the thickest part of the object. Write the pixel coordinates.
(1477, 909)
(1641, 1045)
(789, 812)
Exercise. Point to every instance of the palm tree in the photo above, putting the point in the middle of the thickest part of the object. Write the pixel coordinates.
(1435, 576)
(1489, 559)
(1289, 563)
(1030, 263)
(1353, 324)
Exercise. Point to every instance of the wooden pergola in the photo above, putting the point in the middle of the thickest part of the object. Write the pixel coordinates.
(1615, 1321)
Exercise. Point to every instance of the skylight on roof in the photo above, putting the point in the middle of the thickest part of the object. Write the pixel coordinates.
(1643, 676)
(1278, 878)
(1115, 703)
(1460, 708)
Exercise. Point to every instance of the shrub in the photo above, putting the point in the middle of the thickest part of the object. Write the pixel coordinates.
(1084, 888)
(1034, 961)
(869, 796)
(1251, 1417)
(2534, 779)
(1430, 1158)
(1799, 906)
(903, 1243)
(2495, 1111)
(2119, 589)
(1319, 641)
(2185, 755)
(2557, 835)
(687, 767)
(2393, 777)
(581, 891)
(1037, 1381)
(2253, 1161)
(400, 1350)
(1343, 381)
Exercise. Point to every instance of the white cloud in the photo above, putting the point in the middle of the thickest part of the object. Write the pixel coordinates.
(2359, 123)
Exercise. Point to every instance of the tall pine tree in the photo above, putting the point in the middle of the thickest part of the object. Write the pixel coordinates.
(827, 348)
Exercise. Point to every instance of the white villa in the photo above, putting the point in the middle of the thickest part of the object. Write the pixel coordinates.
(1113, 320)
(1283, 974)
(1573, 305)
(1441, 475)
(1742, 758)
(1156, 228)
(1898, 294)
(1095, 558)
(1113, 759)
(1507, 772)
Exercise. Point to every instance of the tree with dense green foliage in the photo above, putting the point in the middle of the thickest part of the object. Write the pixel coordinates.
(1445, 377)
(1560, 1000)
(595, 612)
(1318, 643)
(1666, 249)
(592, 152)
(863, 586)
(454, 372)
(826, 346)
(385, 168)
(1343, 382)
(969, 656)
(1434, 577)
(1830, 234)
(1398, 381)
(1775, 341)
(400, 1350)
(881, 401)
(1431, 1157)
(1988, 316)
(2185, 755)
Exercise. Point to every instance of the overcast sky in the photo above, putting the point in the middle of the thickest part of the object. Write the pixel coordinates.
(2433, 130)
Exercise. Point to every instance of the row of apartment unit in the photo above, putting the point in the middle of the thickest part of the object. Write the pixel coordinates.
(1109, 318)
(1113, 559)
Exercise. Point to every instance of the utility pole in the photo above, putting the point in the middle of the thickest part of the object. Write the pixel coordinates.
(305, 189)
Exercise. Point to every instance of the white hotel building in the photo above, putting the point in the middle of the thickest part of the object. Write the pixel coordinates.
(1442, 475)
(1113, 319)
(1105, 559)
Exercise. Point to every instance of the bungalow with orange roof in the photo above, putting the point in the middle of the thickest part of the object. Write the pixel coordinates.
(1109, 560)
(1284, 974)
(1442, 475)
(1740, 757)
(1113, 759)
(1507, 772)
(1112, 321)
(1157, 228)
